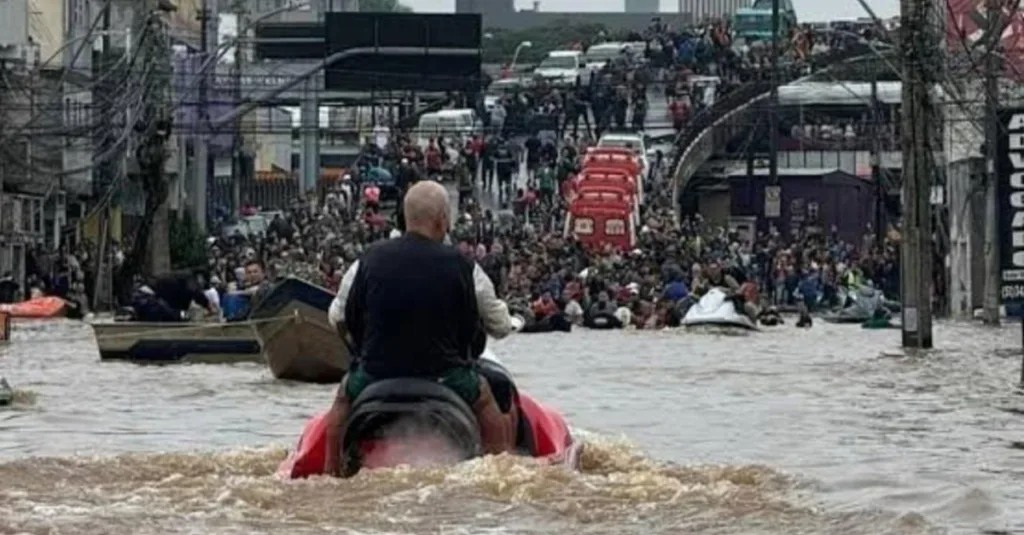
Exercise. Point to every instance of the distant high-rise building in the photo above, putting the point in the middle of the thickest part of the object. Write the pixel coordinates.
(642, 6)
(702, 10)
(490, 7)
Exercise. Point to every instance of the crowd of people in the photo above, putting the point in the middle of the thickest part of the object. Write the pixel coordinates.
(513, 186)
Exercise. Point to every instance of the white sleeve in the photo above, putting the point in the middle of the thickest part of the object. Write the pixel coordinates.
(493, 311)
(336, 314)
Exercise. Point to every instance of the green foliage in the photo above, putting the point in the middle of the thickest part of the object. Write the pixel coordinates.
(383, 6)
(500, 45)
(188, 245)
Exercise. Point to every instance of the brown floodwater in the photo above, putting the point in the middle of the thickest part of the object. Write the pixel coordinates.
(831, 430)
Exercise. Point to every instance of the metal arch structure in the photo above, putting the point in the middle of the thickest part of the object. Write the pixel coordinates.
(731, 117)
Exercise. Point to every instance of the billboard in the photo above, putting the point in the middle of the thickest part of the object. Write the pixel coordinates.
(371, 68)
(1010, 194)
(290, 40)
(966, 21)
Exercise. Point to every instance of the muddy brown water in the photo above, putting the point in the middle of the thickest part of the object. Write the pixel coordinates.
(830, 430)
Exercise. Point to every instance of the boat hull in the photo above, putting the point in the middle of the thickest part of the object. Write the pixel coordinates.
(150, 342)
(302, 345)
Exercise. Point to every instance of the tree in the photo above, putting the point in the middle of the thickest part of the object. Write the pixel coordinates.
(188, 245)
(383, 6)
(500, 45)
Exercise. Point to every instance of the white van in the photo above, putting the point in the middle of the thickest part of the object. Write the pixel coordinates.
(460, 123)
(564, 68)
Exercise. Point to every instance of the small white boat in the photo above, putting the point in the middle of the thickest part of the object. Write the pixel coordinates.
(716, 309)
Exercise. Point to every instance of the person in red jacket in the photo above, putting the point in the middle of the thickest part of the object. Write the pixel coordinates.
(433, 159)
(679, 109)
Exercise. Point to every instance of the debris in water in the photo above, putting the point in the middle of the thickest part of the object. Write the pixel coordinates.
(6, 392)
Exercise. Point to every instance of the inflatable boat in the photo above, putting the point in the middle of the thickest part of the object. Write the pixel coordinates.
(554, 323)
(717, 309)
(39, 307)
(602, 321)
(416, 421)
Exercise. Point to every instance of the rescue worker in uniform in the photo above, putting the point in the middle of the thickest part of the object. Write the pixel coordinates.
(413, 307)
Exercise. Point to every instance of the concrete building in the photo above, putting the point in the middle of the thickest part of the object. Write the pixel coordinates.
(703, 10)
(272, 144)
(304, 11)
(502, 14)
(642, 6)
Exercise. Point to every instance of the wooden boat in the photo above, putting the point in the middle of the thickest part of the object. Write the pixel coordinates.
(303, 346)
(194, 342)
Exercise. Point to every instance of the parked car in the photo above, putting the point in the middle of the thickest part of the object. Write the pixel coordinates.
(564, 68)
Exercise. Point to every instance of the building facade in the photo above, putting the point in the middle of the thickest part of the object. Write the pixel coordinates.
(642, 6)
(502, 15)
(704, 10)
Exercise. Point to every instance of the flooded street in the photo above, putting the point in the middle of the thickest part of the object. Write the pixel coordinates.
(829, 430)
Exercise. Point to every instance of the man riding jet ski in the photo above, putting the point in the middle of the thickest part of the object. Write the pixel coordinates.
(715, 277)
(412, 308)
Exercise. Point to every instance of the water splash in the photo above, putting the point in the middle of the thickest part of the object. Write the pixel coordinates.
(227, 491)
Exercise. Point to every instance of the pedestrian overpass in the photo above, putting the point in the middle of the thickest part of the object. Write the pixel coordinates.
(731, 116)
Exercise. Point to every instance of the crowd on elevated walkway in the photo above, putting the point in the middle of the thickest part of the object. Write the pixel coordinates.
(512, 216)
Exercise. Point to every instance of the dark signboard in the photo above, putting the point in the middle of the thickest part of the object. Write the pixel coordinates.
(290, 40)
(436, 52)
(1010, 193)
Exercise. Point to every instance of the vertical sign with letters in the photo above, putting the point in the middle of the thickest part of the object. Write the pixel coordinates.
(1010, 192)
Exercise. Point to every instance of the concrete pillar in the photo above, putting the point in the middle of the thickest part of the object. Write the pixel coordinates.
(309, 129)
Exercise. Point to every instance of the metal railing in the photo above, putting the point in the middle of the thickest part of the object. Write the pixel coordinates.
(703, 123)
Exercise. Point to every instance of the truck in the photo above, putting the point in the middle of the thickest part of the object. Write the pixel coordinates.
(754, 23)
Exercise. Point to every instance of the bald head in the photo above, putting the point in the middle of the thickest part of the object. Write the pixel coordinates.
(427, 209)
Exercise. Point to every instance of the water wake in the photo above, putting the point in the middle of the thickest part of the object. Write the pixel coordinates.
(225, 492)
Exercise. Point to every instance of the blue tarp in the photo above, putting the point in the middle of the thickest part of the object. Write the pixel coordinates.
(235, 306)
(687, 50)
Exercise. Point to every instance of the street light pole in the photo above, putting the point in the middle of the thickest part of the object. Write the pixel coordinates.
(515, 55)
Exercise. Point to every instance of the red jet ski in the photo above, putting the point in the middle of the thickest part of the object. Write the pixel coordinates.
(415, 421)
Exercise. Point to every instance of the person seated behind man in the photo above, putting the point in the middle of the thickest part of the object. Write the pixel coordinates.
(168, 298)
(412, 307)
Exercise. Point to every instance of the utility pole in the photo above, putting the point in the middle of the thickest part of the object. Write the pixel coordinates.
(876, 163)
(150, 252)
(238, 167)
(920, 48)
(773, 113)
(991, 88)
(208, 42)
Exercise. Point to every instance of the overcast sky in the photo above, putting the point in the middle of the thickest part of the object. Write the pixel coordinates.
(806, 10)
